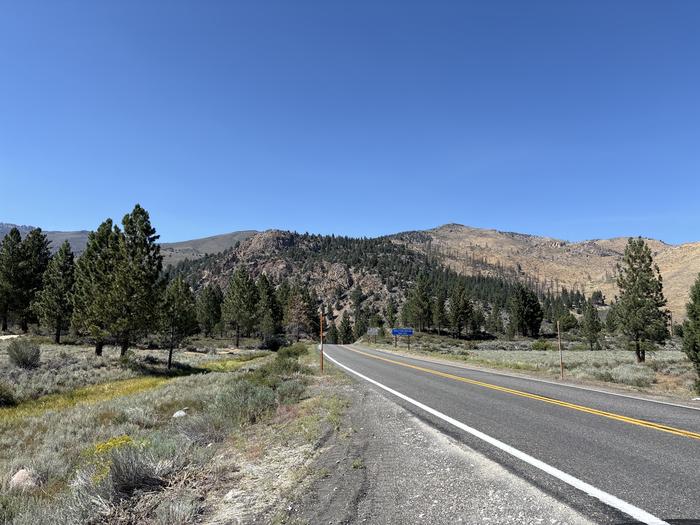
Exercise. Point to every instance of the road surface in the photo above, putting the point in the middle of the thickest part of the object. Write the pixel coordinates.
(613, 459)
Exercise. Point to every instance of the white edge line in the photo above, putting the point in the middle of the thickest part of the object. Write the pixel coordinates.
(527, 378)
(610, 500)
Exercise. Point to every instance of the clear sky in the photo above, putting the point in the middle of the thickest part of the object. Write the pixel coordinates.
(570, 119)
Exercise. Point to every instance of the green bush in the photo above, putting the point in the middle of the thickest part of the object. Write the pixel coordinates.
(131, 470)
(24, 353)
(290, 392)
(245, 402)
(7, 399)
(294, 351)
(541, 344)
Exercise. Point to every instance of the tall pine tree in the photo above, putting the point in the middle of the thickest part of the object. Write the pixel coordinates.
(35, 260)
(209, 308)
(178, 315)
(93, 278)
(136, 289)
(691, 331)
(591, 325)
(52, 304)
(240, 302)
(640, 312)
(10, 276)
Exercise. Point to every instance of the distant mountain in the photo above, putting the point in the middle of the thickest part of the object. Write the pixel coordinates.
(550, 264)
(77, 239)
(173, 252)
(545, 263)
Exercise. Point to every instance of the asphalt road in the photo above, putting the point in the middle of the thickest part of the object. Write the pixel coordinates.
(642, 457)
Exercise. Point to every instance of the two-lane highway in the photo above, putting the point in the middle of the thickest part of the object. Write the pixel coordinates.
(616, 459)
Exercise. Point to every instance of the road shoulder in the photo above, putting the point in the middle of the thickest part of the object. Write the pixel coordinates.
(387, 466)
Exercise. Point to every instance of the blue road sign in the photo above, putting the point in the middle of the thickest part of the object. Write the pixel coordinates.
(402, 331)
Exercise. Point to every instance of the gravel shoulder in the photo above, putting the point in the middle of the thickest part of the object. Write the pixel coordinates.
(387, 466)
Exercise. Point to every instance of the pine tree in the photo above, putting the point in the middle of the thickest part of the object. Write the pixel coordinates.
(494, 324)
(240, 303)
(136, 289)
(477, 320)
(209, 308)
(640, 312)
(360, 328)
(460, 309)
(93, 277)
(591, 325)
(525, 312)
(52, 304)
(178, 314)
(345, 333)
(269, 312)
(332, 334)
(419, 301)
(691, 331)
(390, 313)
(439, 312)
(35, 260)
(10, 267)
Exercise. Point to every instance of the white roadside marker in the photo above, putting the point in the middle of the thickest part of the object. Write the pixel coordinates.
(610, 500)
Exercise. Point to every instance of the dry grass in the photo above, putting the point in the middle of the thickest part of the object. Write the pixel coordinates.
(666, 371)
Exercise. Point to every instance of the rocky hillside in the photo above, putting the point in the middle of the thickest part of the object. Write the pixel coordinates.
(553, 263)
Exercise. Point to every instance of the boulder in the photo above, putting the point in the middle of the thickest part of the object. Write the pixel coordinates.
(180, 413)
(23, 479)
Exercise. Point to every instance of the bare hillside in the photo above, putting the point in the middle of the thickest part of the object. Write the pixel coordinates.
(554, 263)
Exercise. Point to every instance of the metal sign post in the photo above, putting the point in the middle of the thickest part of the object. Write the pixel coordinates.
(407, 332)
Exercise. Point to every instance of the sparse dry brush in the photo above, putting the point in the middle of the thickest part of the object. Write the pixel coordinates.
(125, 455)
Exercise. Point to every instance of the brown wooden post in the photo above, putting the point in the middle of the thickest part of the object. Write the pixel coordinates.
(321, 340)
(561, 357)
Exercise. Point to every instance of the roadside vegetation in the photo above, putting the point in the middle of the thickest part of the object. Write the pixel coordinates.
(141, 444)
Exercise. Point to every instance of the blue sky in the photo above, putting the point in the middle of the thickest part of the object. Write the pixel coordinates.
(570, 119)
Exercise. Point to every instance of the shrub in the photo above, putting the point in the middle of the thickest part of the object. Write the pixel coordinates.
(24, 353)
(289, 392)
(7, 399)
(245, 402)
(634, 375)
(294, 351)
(541, 344)
(131, 470)
(203, 429)
(180, 509)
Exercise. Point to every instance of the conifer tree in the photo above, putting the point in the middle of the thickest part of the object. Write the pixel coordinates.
(591, 325)
(439, 312)
(209, 308)
(345, 333)
(494, 324)
(459, 311)
(35, 260)
(525, 312)
(10, 267)
(691, 331)
(136, 289)
(390, 313)
(360, 328)
(640, 310)
(93, 277)
(418, 304)
(332, 334)
(240, 302)
(52, 304)
(269, 312)
(178, 314)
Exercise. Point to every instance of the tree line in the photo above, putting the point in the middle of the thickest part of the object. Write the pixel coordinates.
(116, 292)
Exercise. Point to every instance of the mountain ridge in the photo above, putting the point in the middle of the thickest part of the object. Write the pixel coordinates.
(547, 263)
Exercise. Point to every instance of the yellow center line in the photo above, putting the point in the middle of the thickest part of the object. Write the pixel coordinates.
(573, 406)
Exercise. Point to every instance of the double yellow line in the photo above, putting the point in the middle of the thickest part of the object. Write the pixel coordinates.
(552, 401)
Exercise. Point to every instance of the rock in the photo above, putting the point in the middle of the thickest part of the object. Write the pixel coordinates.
(180, 413)
(23, 479)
